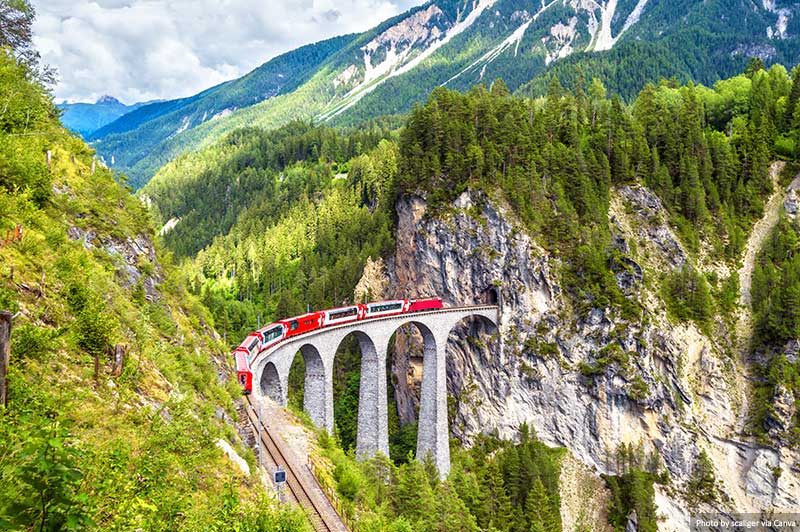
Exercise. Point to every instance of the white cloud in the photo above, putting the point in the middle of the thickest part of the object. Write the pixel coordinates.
(140, 50)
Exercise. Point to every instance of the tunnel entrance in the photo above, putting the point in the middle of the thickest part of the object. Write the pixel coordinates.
(490, 295)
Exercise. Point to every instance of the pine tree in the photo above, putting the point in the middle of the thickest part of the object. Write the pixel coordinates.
(702, 485)
(450, 514)
(412, 497)
(511, 474)
(539, 511)
(496, 511)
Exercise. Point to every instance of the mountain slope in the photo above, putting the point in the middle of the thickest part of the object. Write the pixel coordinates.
(119, 398)
(85, 118)
(458, 43)
(136, 135)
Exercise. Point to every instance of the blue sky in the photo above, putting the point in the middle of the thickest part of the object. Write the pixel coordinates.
(138, 50)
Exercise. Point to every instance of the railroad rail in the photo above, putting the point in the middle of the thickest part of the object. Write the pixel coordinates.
(321, 518)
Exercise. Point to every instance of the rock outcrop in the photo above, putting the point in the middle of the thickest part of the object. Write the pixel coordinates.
(592, 381)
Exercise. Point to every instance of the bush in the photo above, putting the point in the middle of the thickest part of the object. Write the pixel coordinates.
(702, 486)
(30, 341)
(8, 300)
(95, 329)
(786, 147)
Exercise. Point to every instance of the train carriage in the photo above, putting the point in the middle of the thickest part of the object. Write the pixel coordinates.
(272, 334)
(302, 324)
(419, 305)
(338, 316)
(251, 345)
(243, 373)
(386, 308)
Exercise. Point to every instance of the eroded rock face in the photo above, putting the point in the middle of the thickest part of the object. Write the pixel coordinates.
(129, 255)
(589, 382)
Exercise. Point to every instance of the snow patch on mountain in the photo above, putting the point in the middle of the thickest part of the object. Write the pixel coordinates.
(602, 38)
(184, 125)
(561, 37)
(512, 40)
(399, 41)
(779, 30)
(401, 54)
(346, 76)
(225, 112)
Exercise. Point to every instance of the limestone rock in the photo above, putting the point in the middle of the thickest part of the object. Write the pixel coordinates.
(666, 385)
(633, 522)
(791, 204)
(373, 283)
(783, 410)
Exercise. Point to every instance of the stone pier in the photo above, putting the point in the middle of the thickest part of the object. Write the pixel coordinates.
(318, 349)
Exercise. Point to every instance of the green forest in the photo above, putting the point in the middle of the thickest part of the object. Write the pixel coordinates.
(496, 486)
(293, 199)
(320, 202)
(265, 224)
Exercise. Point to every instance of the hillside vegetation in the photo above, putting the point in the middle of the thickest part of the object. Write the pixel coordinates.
(440, 43)
(82, 446)
(287, 227)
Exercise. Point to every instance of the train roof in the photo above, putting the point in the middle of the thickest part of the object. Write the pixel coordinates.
(306, 315)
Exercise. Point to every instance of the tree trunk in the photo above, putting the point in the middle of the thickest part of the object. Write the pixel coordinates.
(5, 354)
(119, 359)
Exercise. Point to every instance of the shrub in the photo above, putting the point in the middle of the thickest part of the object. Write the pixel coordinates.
(95, 329)
(30, 341)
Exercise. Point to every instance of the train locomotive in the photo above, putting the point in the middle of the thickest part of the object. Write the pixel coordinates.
(274, 333)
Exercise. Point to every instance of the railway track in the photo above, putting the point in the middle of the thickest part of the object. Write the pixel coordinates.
(319, 517)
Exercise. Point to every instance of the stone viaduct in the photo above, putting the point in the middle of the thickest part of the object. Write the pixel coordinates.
(318, 348)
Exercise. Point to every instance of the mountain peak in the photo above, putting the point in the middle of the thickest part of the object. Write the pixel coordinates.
(106, 99)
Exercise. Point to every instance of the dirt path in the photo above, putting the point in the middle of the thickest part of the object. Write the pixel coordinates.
(761, 231)
(744, 325)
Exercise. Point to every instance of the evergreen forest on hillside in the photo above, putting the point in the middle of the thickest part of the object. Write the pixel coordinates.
(304, 206)
(265, 224)
(321, 201)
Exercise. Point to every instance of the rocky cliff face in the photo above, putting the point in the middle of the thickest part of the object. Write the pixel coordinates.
(590, 381)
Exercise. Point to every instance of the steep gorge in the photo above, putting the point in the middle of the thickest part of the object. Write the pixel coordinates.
(690, 391)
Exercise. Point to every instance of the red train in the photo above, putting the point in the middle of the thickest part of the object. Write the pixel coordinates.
(274, 333)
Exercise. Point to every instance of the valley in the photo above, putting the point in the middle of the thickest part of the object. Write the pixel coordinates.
(583, 213)
(458, 43)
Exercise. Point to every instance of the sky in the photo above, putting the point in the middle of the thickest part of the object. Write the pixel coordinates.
(141, 50)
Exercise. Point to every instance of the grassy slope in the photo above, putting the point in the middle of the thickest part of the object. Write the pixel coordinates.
(109, 453)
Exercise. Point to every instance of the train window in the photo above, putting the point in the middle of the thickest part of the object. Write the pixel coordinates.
(243, 379)
(272, 334)
(344, 313)
(293, 325)
(385, 307)
(252, 345)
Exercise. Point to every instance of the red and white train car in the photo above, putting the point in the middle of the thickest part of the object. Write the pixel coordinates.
(274, 333)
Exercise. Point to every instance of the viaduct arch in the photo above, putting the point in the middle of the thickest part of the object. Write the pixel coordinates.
(318, 348)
